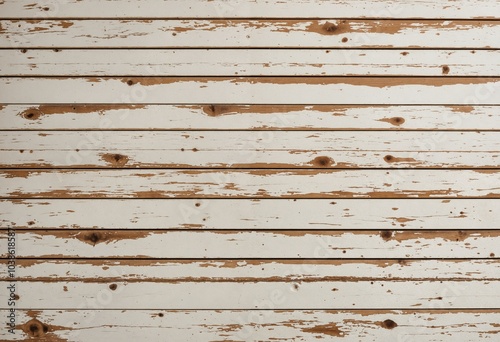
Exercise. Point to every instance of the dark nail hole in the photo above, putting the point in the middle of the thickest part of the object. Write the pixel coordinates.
(16, 297)
(323, 161)
(24, 51)
(492, 255)
(94, 238)
(57, 50)
(197, 204)
(388, 158)
(386, 234)
(160, 314)
(30, 223)
(344, 40)
(130, 82)
(195, 149)
(446, 69)
(45, 8)
(34, 329)
(113, 287)
(389, 324)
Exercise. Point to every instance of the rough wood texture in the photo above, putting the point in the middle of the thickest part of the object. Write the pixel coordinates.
(321, 214)
(219, 170)
(255, 33)
(191, 149)
(255, 244)
(251, 90)
(249, 184)
(248, 62)
(479, 9)
(250, 117)
(99, 324)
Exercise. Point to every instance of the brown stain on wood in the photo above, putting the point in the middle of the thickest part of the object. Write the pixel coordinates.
(395, 121)
(329, 28)
(322, 162)
(115, 159)
(35, 113)
(330, 329)
(375, 82)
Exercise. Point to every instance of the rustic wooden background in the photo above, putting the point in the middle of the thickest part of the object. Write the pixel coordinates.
(215, 170)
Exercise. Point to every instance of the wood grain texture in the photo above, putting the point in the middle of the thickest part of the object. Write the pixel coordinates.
(249, 62)
(479, 9)
(332, 33)
(326, 295)
(248, 90)
(230, 244)
(357, 214)
(103, 325)
(241, 149)
(218, 117)
(249, 184)
(277, 270)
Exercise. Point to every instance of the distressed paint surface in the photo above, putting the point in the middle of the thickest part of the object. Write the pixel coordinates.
(248, 62)
(213, 170)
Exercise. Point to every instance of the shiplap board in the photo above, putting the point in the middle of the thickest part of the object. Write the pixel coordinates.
(254, 244)
(242, 149)
(251, 90)
(267, 33)
(250, 117)
(270, 183)
(248, 62)
(258, 325)
(328, 295)
(463, 214)
(277, 270)
(249, 8)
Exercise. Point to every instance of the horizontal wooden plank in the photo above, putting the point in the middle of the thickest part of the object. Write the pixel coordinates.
(139, 244)
(249, 33)
(304, 270)
(236, 149)
(327, 295)
(248, 117)
(269, 183)
(248, 8)
(261, 325)
(256, 90)
(282, 33)
(245, 62)
(454, 214)
(256, 325)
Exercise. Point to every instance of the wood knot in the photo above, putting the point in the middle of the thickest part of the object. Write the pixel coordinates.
(330, 28)
(35, 328)
(386, 235)
(322, 161)
(115, 159)
(31, 114)
(397, 121)
(213, 110)
(388, 158)
(389, 324)
(94, 238)
(446, 69)
(113, 287)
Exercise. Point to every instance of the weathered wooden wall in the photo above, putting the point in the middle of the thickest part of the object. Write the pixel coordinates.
(216, 170)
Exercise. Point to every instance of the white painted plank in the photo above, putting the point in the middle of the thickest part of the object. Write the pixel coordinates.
(245, 62)
(270, 90)
(254, 244)
(236, 149)
(304, 270)
(257, 325)
(249, 183)
(463, 214)
(281, 33)
(229, 295)
(244, 117)
(248, 8)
